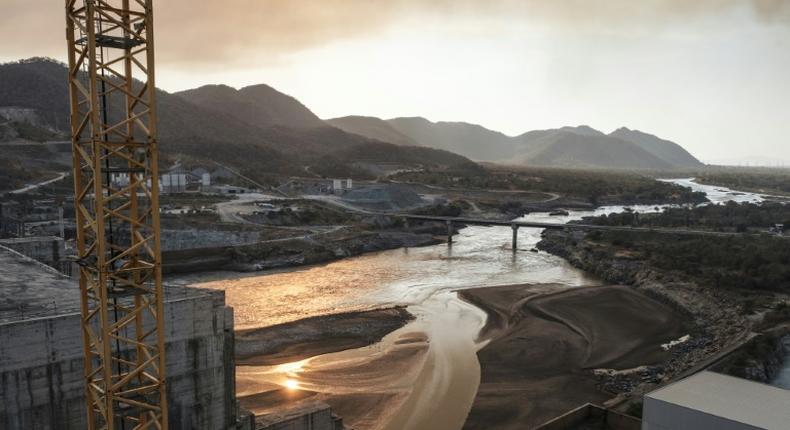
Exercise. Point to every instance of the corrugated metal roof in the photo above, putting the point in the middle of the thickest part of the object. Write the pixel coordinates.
(735, 399)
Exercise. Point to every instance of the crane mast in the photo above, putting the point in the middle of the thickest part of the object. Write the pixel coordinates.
(113, 125)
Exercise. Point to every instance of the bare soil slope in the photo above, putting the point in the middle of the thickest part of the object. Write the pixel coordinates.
(544, 347)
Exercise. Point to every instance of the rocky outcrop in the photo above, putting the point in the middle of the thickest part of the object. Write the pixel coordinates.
(761, 359)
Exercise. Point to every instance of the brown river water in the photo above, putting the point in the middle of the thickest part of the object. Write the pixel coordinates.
(426, 373)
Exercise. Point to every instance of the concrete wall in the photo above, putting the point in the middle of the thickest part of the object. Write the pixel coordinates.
(41, 368)
(176, 240)
(661, 415)
(589, 412)
(316, 416)
(46, 249)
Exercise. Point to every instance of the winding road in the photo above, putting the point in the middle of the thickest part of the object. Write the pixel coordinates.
(32, 187)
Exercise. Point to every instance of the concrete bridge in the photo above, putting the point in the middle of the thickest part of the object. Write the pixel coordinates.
(515, 225)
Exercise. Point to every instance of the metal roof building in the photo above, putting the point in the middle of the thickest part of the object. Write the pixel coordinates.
(714, 401)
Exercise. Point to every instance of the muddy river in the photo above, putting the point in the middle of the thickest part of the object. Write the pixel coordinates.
(436, 389)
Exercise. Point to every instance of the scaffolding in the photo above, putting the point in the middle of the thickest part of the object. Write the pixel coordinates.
(113, 123)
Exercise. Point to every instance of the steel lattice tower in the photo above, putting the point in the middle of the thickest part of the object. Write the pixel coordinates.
(113, 123)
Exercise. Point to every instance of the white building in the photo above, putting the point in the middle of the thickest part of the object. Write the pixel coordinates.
(712, 401)
(340, 185)
(120, 179)
(174, 183)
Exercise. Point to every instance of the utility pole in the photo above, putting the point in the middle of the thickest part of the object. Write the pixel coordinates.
(514, 227)
(113, 124)
(59, 201)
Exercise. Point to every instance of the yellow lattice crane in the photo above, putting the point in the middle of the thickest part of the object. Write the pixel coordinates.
(113, 123)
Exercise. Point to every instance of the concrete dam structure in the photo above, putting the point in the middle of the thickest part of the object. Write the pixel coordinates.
(42, 384)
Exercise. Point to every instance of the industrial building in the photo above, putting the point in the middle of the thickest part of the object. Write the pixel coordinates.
(712, 401)
(42, 381)
(174, 182)
(339, 186)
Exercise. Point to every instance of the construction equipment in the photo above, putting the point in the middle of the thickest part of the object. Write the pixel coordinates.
(113, 123)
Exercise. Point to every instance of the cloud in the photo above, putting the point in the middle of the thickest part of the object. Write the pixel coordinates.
(248, 33)
(212, 35)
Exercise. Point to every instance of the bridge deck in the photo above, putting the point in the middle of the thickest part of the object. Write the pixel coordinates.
(572, 226)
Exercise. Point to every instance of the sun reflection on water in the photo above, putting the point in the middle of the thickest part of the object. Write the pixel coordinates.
(291, 384)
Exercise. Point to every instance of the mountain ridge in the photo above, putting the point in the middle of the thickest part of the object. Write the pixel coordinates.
(283, 133)
(206, 134)
(471, 140)
(259, 105)
(666, 149)
(372, 127)
(622, 149)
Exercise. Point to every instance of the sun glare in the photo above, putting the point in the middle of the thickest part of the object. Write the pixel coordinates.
(291, 384)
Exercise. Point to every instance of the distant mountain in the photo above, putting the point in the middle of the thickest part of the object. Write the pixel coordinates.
(579, 147)
(535, 140)
(374, 128)
(470, 140)
(34, 92)
(566, 148)
(256, 129)
(584, 146)
(664, 149)
(584, 130)
(263, 130)
(257, 105)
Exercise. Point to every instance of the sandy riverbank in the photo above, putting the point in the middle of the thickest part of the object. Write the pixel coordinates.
(544, 348)
(318, 359)
(544, 343)
(299, 340)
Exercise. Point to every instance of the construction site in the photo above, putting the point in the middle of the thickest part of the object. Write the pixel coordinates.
(143, 292)
(110, 347)
(42, 354)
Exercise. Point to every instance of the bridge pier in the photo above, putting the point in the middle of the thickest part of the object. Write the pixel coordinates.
(449, 232)
(515, 236)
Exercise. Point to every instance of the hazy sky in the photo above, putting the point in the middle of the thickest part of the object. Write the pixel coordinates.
(712, 75)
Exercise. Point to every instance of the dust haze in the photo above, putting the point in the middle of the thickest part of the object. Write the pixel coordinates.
(239, 31)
